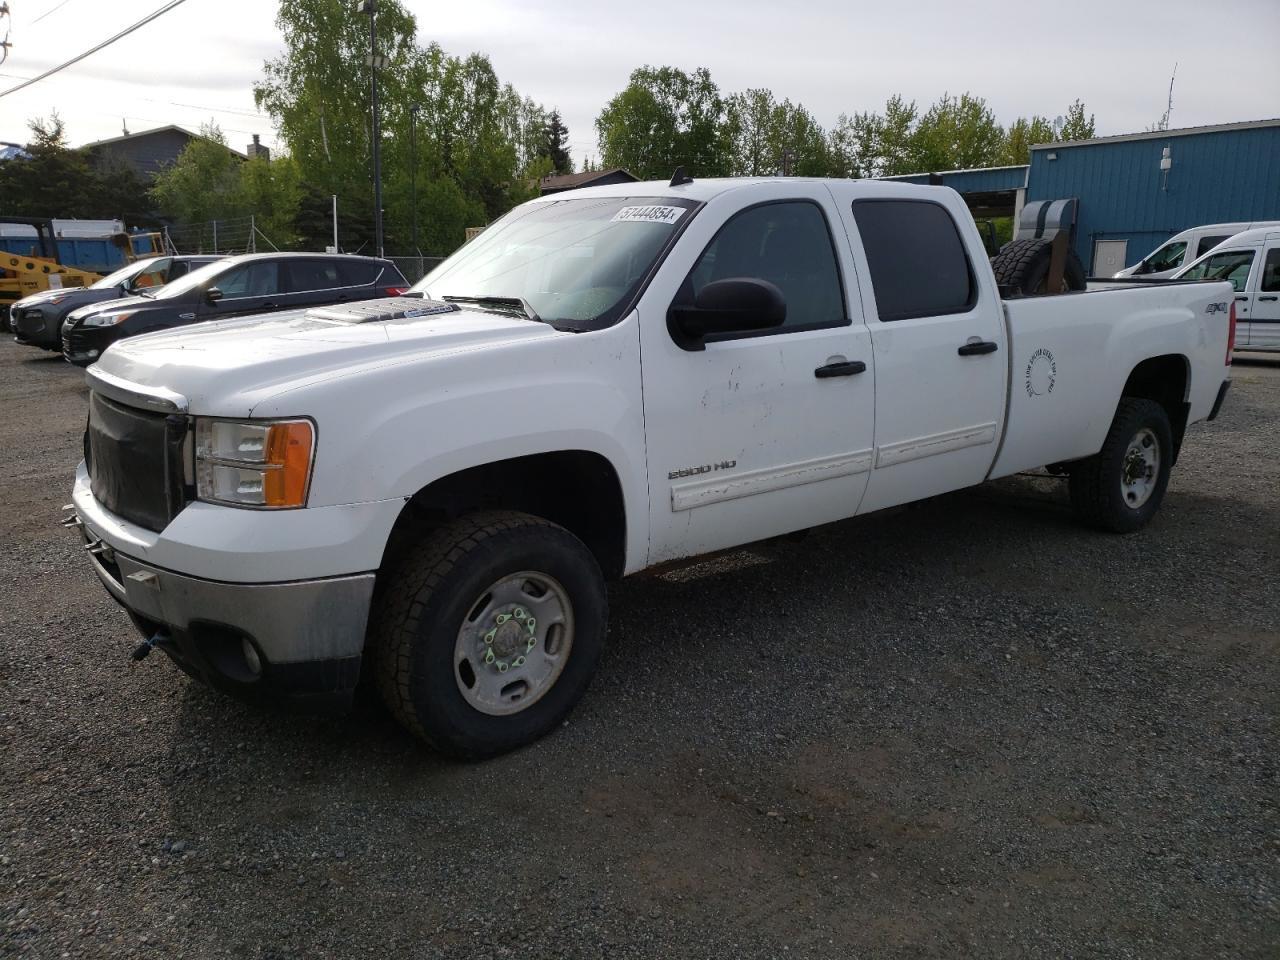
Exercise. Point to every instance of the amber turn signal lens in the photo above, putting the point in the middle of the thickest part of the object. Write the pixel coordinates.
(288, 464)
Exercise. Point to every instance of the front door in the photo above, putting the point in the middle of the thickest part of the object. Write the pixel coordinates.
(1234, 266)
(757, 434)
(253, 287)
(940, 350)
(1264, 322)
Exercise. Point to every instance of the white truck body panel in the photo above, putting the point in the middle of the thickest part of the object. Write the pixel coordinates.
(402, 403)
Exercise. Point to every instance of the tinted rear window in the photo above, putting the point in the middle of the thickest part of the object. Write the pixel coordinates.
(315, 275)
(918, 263)
(359, 273)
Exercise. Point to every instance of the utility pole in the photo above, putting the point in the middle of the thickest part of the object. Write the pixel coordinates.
(371, 8)
(413, 174)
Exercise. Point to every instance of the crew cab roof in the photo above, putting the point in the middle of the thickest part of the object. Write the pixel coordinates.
(706, 189)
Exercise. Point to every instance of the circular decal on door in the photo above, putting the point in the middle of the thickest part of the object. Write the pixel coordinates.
(1042, 373)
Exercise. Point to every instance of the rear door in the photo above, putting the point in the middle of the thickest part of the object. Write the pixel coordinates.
(757, 434)
(314, 281)
(1264, 322)
(939, 339)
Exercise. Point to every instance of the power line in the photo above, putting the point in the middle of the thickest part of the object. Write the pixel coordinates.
(49, 11)
(92, 50)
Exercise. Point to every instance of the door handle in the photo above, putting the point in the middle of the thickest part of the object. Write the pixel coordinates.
(1267, 298)
(268, 306)
(978, 347)
(845, 368)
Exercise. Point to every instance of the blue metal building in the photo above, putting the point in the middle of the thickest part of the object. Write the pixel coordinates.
(1131, 202)
(1130, 199)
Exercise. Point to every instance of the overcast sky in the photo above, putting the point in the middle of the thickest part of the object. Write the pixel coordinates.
(200, 60)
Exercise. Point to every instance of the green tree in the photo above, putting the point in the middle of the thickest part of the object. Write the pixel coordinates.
(271, 190)
(453, 135)
(555, 144)
(1076, 126)
(59, 182)
(663, 119)
(205, 181)
(1022, 135)
(957, 133)
(751, 133)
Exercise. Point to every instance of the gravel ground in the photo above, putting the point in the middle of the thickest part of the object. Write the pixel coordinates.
(966, 728)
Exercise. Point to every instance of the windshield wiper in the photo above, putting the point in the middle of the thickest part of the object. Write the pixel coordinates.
(142, 292)
(501, 304)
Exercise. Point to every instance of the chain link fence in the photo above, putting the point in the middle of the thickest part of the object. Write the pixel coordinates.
(415, 268)
(230, 236)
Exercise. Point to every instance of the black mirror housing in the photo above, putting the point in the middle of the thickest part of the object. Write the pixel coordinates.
(213, 295)
(732, 305)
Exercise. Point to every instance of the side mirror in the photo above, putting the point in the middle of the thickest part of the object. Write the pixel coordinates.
(734, 305)
(213, 295)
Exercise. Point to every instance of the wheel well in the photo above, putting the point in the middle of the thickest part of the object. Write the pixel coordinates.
(577, 489)
(1164, 380)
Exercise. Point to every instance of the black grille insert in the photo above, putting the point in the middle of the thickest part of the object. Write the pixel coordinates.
(135, 462)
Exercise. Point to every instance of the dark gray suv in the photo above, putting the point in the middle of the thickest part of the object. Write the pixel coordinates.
(37, 320)
(240, 286)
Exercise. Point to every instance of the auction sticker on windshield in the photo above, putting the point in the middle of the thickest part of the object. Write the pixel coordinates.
(649, 214)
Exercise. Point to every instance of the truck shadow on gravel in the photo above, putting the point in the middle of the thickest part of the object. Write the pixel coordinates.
(898, 733)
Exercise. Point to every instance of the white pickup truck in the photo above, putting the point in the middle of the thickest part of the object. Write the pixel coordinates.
(434, 489)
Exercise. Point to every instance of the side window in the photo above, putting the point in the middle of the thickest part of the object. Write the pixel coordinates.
(1231, 265)
(260, 279)
(787, 244)
(1166, 258)
(1208, 243)
(919, 266)
(153, 277)
(307, 275)
(358, 273)
(1271, 272)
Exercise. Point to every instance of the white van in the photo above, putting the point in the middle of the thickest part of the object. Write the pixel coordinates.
(1182, 248)
(1251, 262)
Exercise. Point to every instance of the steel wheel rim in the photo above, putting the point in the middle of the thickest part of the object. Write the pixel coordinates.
(1140, 468)
(514, 643)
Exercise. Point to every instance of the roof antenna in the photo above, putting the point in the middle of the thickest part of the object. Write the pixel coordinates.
(680, 178)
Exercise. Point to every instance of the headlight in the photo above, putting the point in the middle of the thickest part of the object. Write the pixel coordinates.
(254, 463)
(106, 319)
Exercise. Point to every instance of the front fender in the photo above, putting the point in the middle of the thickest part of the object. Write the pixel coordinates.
(393, 430)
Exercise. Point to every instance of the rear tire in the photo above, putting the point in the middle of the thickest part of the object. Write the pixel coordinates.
(1121, 487)
(1023, 265)
(468, 592)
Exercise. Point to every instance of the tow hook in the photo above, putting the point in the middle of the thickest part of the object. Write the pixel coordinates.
(157, 639)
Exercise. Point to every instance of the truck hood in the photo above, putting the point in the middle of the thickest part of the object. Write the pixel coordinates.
(228, 367)
(77, 295)
(102, 304)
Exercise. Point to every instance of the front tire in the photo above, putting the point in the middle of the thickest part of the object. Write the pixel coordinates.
(1121, 487)
(488, 632)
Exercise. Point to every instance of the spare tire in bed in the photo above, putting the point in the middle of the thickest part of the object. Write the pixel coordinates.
(1023, 266)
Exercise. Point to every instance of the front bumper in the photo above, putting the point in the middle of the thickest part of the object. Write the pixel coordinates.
(37, 327)
(84, 345)
(308, 635)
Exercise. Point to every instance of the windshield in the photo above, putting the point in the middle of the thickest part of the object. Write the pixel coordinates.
(123, 274)
(576, 263)
(1168, 257)
(1233, 265)
(194, 279)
